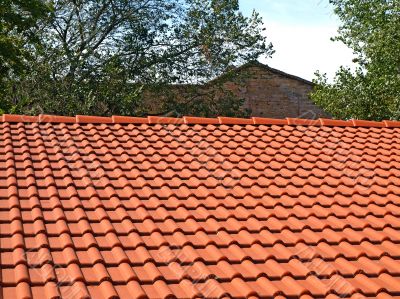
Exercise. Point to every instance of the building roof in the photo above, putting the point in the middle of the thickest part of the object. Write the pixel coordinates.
(157, 207)
(247, 65)
(273, 70)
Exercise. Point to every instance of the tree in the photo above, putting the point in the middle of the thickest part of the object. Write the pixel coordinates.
(372, 29)
(17, 19)
(99, 56)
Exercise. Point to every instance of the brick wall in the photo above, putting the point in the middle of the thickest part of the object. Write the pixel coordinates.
(267, 92)
(271, 93)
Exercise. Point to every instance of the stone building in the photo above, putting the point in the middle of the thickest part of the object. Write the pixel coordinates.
(272, 93)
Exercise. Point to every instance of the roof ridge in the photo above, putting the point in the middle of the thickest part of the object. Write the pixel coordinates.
(116, 119)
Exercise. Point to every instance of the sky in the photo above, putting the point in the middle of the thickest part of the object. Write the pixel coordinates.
(300, 31)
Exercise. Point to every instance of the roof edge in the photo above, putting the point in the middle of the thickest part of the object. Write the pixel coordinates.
(86, 119)
(256, 63)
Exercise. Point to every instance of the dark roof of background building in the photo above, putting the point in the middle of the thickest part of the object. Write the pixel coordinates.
(273, 70)
(245, 66)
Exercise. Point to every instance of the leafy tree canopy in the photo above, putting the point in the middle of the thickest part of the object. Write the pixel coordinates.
(97, 57)
(372, 29)
(17, 21)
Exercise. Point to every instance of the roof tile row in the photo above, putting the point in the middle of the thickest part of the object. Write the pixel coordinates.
(86, 119)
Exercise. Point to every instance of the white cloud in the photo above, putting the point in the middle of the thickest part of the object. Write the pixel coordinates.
(301, 50)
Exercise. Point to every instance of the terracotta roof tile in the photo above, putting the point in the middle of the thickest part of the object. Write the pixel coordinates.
(160, 207)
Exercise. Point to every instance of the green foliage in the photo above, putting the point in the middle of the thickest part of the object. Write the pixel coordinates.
(372, 29)
(18, 21)
(97, 56)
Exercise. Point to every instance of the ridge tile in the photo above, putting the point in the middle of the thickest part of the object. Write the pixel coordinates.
(164, 120)
(368, 123)
(269, 121)
(234, 121)
(85, 119)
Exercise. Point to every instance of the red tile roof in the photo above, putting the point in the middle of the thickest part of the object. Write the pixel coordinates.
(155, 207)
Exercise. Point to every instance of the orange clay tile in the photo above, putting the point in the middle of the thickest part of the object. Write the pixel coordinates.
(92, 119)
(128, 120)
(193, 207)
(19, 118)
(199, 120)
(45, 118)
(234, 121)
(164, 120)
(392, 124)
(367, 123)
(303, 122)
(269, 121)
(335, 122)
